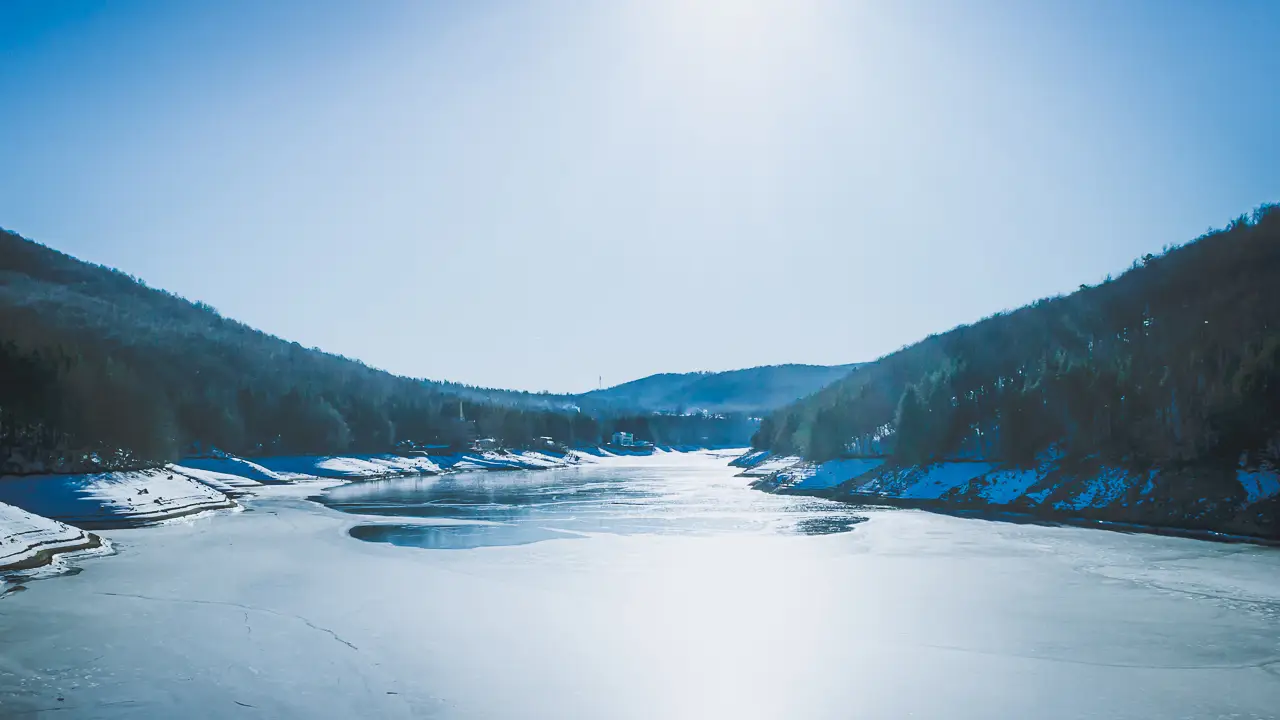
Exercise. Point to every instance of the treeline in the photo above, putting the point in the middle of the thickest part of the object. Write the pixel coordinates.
(1176, 363)
(98, 370)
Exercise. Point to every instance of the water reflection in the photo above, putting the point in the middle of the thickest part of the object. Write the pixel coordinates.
(455, 537)
(826, 525)
(678, 494)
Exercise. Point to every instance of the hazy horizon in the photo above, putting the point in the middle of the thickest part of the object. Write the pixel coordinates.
(537, 195)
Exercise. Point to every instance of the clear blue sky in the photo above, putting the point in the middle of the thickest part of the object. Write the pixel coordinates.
(533, 194)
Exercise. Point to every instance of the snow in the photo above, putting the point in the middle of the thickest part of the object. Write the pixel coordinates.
(1038, 496)
(927, 483)
(349, 467)
(825, 475)
(24, 535)
(365, 467)
(232, 465)
(111, 499)
(1150, 486)
(535, 460)
(751, 458)
(936, 480)
(1259, 484)
(222, 482)
(1100, 490)
(772, 465)
(1006, 486)
(35, 509)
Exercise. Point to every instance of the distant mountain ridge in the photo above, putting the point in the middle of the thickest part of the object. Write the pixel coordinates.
(750, 390)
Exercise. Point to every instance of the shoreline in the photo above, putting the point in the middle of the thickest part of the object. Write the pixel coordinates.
(45, 556)
(113, 498)
(1100, 497)
(1023, 518)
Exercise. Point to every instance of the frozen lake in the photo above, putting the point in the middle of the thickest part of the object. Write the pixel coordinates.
(638, 588)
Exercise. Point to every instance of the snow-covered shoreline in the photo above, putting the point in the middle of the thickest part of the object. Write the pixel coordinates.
(1104, 496)
(44, 515)
(28, 540)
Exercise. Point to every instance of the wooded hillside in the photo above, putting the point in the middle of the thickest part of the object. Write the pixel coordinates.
(1174, 363)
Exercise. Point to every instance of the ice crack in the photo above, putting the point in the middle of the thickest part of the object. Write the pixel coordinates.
(250, 608)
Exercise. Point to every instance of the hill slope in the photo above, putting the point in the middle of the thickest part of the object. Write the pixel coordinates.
(95, 362)
(1170, 372)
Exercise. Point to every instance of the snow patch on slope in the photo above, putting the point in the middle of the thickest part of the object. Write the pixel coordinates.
(772, 465)
(1100, 490)
(927, 483)
(1005, 486)
(826, 475)
(937, 480)
(1259, 484)
(750, 459)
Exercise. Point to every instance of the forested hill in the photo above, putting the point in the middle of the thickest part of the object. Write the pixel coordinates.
(1174, 364)
(93, 361)
(752, 390)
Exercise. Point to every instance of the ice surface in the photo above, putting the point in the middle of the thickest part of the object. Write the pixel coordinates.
(278, 612)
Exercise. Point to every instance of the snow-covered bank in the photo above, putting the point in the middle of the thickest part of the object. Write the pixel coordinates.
(1204, 499)
(231, 465)
(28, 540)
(225, 483)
(766, 467)
(368, 467)
(43, 514)
(114, 499)
(125, 498)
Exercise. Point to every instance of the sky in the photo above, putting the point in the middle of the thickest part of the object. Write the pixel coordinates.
(550, 194)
